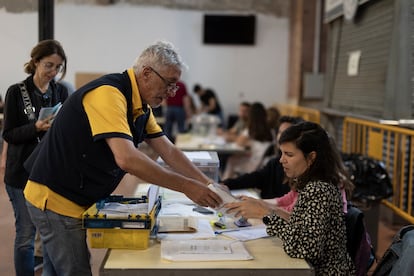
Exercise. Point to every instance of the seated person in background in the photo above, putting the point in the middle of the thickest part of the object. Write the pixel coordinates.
(316, 228)
(1, 104)
(209, 102)
(273, 116)
(283, 123)
(241, 123)
(269, 180)
(257, 138)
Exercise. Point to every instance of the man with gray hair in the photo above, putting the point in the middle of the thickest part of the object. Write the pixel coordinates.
(93, 143)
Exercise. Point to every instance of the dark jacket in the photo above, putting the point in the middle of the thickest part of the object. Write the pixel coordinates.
(269, 180)
(20, 132)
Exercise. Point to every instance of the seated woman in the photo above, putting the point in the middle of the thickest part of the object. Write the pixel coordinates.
(257, 138)
(315, 230)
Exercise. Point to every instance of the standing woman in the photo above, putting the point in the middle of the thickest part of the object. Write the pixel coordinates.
(315, 229)
(22, 131)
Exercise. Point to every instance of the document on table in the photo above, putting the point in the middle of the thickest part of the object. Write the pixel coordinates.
(204, 250)
(247, 233)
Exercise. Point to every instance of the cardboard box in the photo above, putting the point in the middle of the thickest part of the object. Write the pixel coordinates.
(107, 229)
(207, 161)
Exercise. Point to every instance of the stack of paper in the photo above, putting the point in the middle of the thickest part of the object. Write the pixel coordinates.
(204, 250)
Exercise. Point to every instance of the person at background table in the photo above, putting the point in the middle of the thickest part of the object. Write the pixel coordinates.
(1, 104)
(315, 229)
(240, 125)
(257, 138)
(270, 179)
(273, 116)
(21, 136)
(209, 103)
(74, 167)
(178, 110)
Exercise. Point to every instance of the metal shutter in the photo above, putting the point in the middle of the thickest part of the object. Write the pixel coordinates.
(371, 34)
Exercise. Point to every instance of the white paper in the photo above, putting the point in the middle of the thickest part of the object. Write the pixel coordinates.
(193, 155)
(353, 63)
(116, 209)
(225, 195)
(247, 233)
(204, 250)
(152, 196)
(171, 196)
(48, 111)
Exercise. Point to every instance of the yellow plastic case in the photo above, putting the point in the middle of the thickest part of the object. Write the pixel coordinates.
(130, 232)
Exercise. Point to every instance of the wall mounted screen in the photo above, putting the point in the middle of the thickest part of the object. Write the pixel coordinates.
(229, 29)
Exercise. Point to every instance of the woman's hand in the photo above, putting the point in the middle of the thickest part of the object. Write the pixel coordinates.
(45, 124)
(248, 207)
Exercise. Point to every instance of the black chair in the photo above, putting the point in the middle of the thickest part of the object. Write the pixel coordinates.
(358, 241)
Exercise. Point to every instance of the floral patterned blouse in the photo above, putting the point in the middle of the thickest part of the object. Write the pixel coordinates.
(316, 230)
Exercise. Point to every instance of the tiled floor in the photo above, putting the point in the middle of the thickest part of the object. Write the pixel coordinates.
(386, 232)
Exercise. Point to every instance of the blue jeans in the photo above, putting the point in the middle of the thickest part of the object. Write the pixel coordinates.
(65, 251)
(174, 114)
(25, 233)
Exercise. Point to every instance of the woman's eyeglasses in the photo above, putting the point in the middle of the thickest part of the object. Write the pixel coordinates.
(49, 66)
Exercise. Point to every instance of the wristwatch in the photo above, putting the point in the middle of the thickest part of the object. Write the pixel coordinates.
(268, 218)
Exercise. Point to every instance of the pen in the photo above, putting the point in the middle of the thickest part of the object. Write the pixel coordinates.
(225, 230)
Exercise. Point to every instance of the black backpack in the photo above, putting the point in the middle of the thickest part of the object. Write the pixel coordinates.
(398, 259)
(369, 176)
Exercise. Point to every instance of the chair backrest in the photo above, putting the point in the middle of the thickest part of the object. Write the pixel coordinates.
(231, 120)
(257, 153)
(267, 155)
(358, 241)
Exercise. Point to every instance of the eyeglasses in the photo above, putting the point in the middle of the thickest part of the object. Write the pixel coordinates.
(49, 66)
(171, 86)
